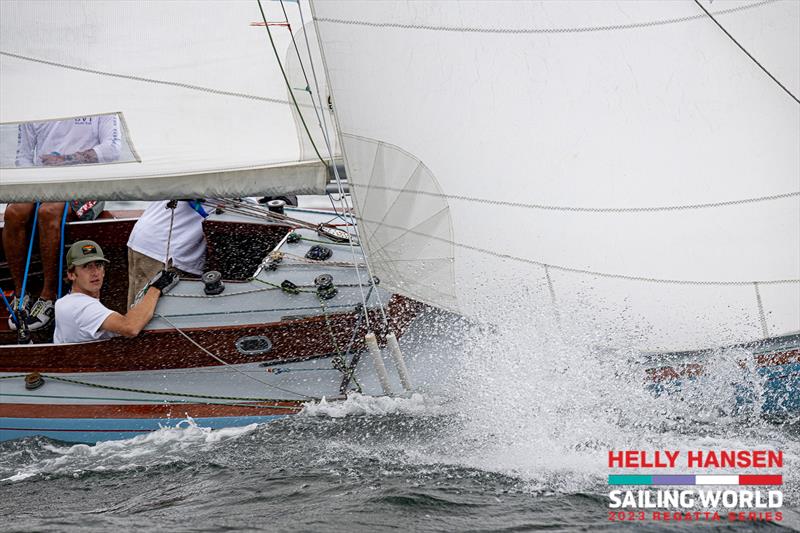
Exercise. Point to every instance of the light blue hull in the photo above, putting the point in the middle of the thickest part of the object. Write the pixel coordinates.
(776, 393)
(93, 430)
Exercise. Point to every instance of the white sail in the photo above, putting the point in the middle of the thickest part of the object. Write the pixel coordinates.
(197, 88)
(625, 162)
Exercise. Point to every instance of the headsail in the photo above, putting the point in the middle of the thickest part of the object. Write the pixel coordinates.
(205, 109)
(626, 162)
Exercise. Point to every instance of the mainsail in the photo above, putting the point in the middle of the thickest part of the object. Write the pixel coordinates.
(196, 86)
(625, 162)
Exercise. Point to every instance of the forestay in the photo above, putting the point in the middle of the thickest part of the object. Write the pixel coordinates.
(203, 108)
(626, 163)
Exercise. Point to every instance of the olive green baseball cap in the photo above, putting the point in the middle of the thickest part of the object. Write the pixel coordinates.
(83, 252)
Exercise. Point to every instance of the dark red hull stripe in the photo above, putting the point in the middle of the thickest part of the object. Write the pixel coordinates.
(292, 340)
(22, 410)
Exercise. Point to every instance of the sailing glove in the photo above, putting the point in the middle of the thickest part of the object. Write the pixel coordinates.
(165, 280)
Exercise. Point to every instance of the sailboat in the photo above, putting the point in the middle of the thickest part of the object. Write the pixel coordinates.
(288, 303)
(631, 169)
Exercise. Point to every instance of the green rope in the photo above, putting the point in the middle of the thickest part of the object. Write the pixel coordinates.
(160, 393)
(276, 286)
(151, 400)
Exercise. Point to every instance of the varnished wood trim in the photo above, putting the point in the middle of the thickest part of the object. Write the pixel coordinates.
(21, 410)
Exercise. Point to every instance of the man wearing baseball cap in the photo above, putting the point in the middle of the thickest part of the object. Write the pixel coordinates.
(80, 317)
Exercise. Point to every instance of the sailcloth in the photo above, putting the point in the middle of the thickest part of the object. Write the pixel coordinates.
(624, 165)
(203, 106)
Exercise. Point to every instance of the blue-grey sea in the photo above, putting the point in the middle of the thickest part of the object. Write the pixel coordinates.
(511, 433)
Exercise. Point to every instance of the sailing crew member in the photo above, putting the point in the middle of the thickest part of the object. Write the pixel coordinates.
(80, 317)
(174, 224)
(74, 141)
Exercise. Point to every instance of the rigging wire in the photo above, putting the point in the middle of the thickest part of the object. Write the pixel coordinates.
(768, 73)
(288, 85)
(348, 217)
(346, 209)
(326, 137)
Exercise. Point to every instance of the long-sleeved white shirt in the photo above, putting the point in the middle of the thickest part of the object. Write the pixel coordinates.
(99, 133)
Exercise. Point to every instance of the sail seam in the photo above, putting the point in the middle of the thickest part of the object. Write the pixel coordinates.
(199, 88)
(761, 315)
(546, 207)
(527, 31)
(582, 271)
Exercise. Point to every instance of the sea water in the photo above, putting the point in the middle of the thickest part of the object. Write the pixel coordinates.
(509, 430)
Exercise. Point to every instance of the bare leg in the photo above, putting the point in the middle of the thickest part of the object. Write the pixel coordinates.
(50, 214)
(15, 240)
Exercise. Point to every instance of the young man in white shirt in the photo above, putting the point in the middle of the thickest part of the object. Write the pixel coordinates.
(74, 141)
(80, 317)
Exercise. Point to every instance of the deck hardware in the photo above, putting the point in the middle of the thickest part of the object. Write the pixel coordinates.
(334, 234)
(273, 259)
(213, 283)
(33, 381)
(254, 345)
(288, 286)
(325, 288)
(319, 253)
(276, 206)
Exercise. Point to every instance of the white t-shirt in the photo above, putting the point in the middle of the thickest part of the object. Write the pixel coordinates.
(100, 133)
(78, 319)
(187, 248)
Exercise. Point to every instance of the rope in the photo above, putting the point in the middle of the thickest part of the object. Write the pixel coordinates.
(302, 67)
(219, 360)
(10, 308)
(171, 207)
(582, 271)
(166, 393)
(304, 260)
(21, 297)
(149, 80)
(327, 242)
(528, 31)
(289, 85)
(545, 207)
(221, 295)
(768, 73)
(61, 249)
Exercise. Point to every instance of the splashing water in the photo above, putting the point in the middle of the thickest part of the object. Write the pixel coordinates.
(512, 420)
(164, 446)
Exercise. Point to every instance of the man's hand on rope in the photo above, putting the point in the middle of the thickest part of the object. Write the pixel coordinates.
(165, 280)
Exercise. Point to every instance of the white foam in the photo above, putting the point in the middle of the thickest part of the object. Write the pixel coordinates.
(545, 404)
(362, 405)
(163, 446)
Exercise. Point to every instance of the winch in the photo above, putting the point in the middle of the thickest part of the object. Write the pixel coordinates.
(325, 288)
(213, 283)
